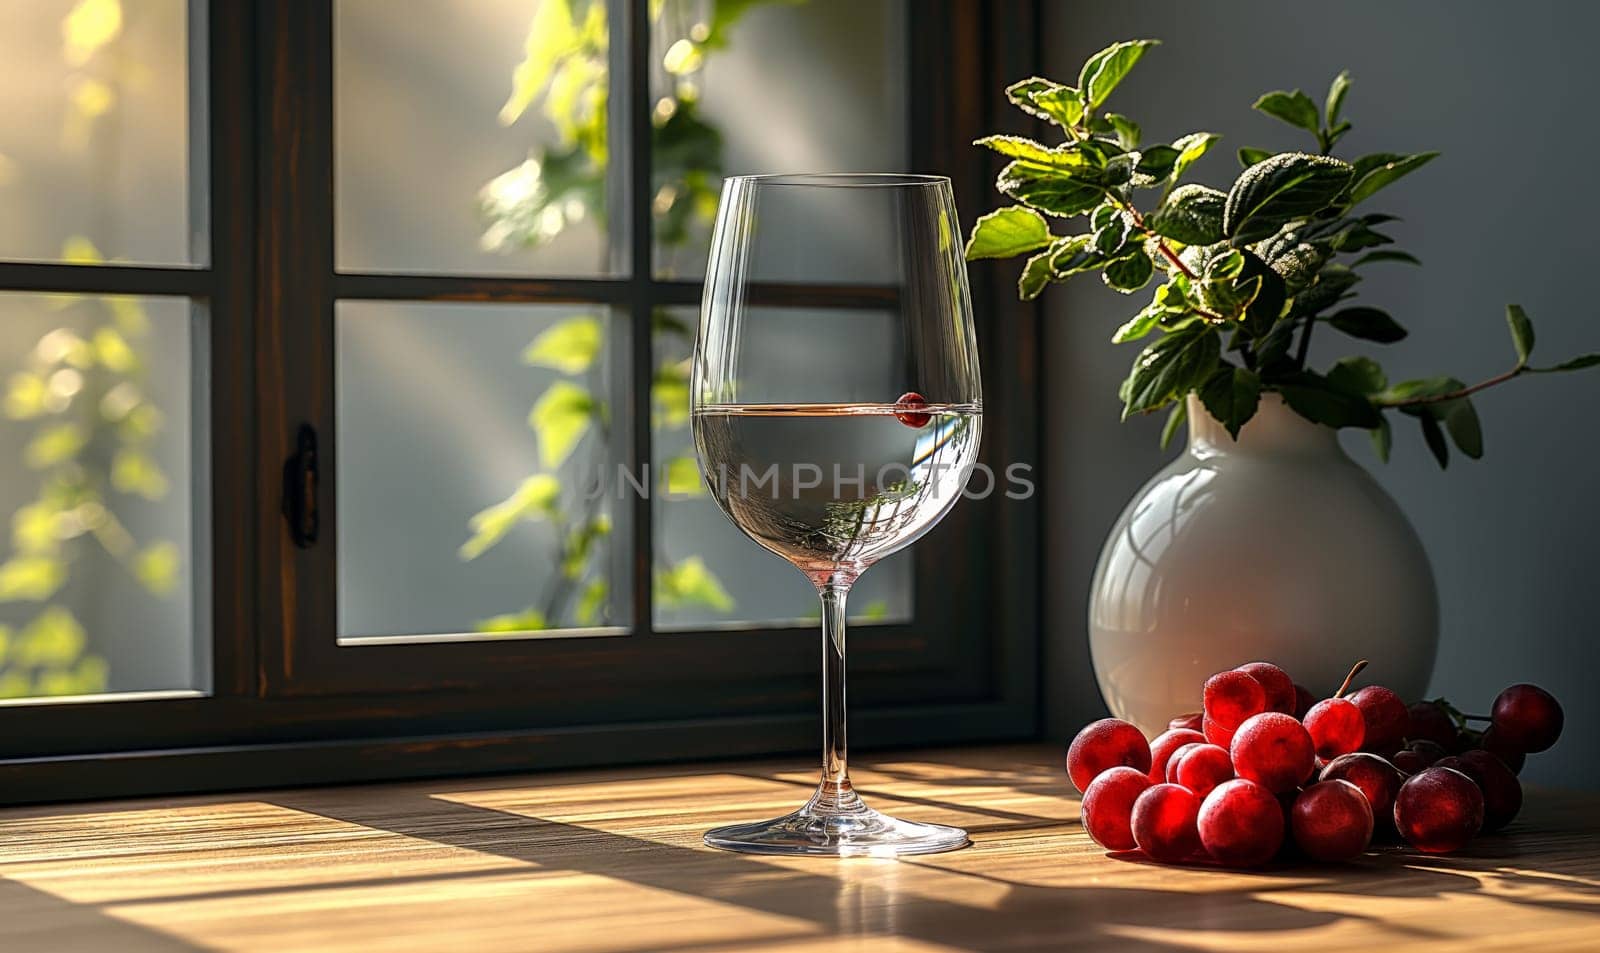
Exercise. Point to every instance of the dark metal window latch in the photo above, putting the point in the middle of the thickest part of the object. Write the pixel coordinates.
(300, 489)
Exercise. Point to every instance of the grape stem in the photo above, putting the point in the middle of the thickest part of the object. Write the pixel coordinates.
(1354, 671)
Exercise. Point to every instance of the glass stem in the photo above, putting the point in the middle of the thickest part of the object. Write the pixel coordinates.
(834, 794)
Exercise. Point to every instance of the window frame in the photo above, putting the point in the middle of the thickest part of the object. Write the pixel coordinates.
(288, 704)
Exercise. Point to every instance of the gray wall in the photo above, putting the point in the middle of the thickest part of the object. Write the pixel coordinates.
(1505, 92)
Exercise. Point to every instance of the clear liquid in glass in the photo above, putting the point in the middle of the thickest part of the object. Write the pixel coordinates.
(834, 488)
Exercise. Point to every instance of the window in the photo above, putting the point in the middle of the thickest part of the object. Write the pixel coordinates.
(334, 352)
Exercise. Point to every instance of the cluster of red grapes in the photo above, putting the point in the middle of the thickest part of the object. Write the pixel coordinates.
(1267, 770)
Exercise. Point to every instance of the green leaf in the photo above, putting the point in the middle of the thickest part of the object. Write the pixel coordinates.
(528, 620)
(1435, 440)
(560, 418)
(1358, 375)
(1157, 162)
(569, 346)
(1127, 130)
(1017, 147)
(1035, 275)
(682, 477)
(1190, 149)
(31, 578)
(1107, 68)
(1284, 187)
(1051, 189)
(1130, 273)
(690, 583)
(1382, 439)
(1175, 419)
(1336, 94)
(1521, 332)
(1062, 105)
(1111, 235)
(54, 445)
(1173, 365)
(1249, 156)
(1319, 400)
(1006, 232)
(1373, 172)
(1369, 324)
(1021, 94)
(1139, 325)
(1294, 108)
(1420, 387)
(1331, 285)
(1231, 395)
(534, 499)
(1460, 420)
(1574, 364)
(1192, 214)
(1373, 257)
(1074, 256)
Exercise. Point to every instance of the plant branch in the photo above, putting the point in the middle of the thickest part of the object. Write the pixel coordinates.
(1455, 394)
(1304, 349)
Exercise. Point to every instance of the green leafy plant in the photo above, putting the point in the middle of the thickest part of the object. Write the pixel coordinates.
(1243, 276)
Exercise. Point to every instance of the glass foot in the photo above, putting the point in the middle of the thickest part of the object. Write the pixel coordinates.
(834, 829)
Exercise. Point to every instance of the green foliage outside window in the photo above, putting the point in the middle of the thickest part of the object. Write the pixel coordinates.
(564, 74)
(80, 393)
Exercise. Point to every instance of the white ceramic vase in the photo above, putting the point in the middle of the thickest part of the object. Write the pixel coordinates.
(1274, 547)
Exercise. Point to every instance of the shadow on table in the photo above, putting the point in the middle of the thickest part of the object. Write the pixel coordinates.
(864, 898)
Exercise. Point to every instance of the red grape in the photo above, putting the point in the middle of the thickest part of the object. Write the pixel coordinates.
(1418, 753)
(1336, 727)
(1378, 780)
(905, 410)
(1190, 720)
(1385, 715)
(1232, 697)
(1172, 762)
(1273, 750)
(1241, 824)
(1275, 682)
(1202, 768)
(1502, 792)
(1491, 743)
(1107, 809)
(1408, 761)
(1430, 722)
(1216, 734)
(1164, 823)
(1303, 700)
(1439, 810)
(1526, 718)
(1332, 821)
(1102, 745)
(1166, 745)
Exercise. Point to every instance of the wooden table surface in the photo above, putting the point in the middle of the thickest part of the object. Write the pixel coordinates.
(613, 861)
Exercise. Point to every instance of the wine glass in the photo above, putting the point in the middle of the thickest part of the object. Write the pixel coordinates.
(831, 437)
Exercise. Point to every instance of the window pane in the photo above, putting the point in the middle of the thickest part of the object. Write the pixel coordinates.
(94, 148)
(708, 573)
(99, 473)
(471, 137)
(467, 436)
(818, 86)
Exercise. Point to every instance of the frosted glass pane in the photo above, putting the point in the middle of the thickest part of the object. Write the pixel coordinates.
(708, 573)
(472, 137)
(94, 131)
(99, 492)
(468, 435)
(818, 86)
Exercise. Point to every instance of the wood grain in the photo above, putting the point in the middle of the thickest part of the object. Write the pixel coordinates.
(612, 861)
